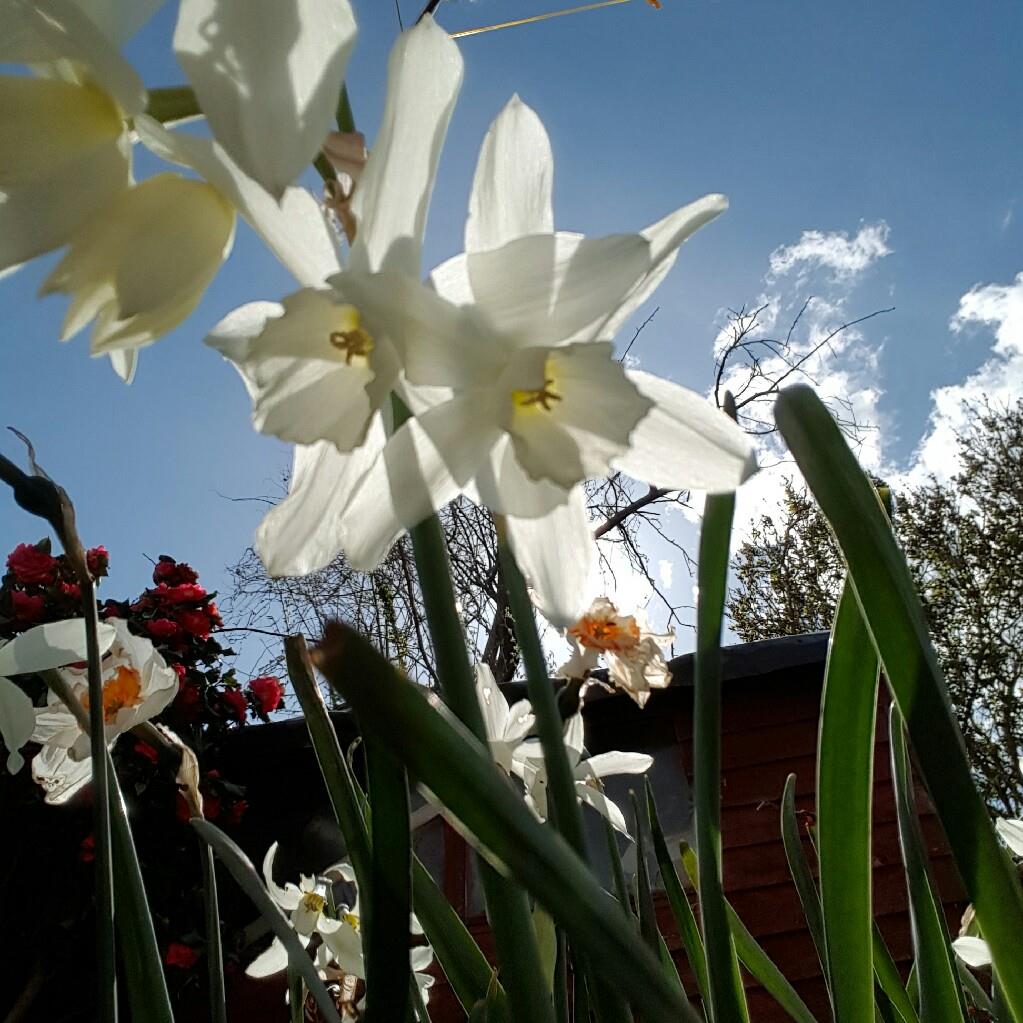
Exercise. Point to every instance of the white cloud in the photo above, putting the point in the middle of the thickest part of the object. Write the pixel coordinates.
(666, 572)
(999, 378)
(835, 251)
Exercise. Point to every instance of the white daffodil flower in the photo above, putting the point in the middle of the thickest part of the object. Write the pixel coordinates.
(267, 75)
(38, 649)
(338, 927)
(137, 685)
(506, 726)
(516, 336)
(318, 374)
(634, 655)
(66, 154)
(530, 767)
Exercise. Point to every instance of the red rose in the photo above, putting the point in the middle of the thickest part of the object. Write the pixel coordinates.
(31, 565)
(183, 593)
(237, 705)
(111, 609)
(268, 692)
(98, 560)
(171, 572)
(181, 955)
(179, 670)
(213, 613)
(162, 628)
(72, 591)
(27, 607)
(195, 623)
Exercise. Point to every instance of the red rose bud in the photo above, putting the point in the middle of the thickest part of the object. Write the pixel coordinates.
(237, 705)
(111, 609)
(27, 607)
(98, 560)
(195, 623)
(162, 628)
(268, 693)
(181, 955)
(31, 565)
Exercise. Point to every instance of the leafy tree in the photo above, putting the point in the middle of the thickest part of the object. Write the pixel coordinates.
(964, 543)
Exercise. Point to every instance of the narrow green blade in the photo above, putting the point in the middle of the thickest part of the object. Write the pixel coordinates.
(241, 869)
(845, 786)
(443, 755)
(386, 942)
(727, 997)
(889, 979)
(895, 620)
(800, 871)
(940, 991)
(685, 919)
(140, 954)
(755, 959)
(214, 947)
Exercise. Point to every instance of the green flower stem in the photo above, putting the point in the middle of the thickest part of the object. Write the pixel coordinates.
(214, 949)
(510, 920)
(550, 728)
(727, 1000)
(345, 118)
(173, 105)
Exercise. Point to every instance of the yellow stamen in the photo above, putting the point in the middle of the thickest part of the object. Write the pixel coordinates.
(313, 902)
(122, 689)
(355, 341)
(542, 397)
(600, 633)
(352, 920)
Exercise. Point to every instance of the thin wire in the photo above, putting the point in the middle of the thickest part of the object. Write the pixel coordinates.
(537, 17)
(397, 8)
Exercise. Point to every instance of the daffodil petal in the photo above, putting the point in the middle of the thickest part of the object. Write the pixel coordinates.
(422, 468)
(346, 944)
(424, 74)
(604, 806)
(17, 722)
(511, 192)
(556, 554)
(267, 75)
(1011, 833)
(492, 702)
(974, 952)
(304, 532)
(124, 362)
(295, 229)
(615, 762)
(118, 20)
(665, 236)
(287, 898)
(542, 289)
(271, 961)
(33, 222)
(50, 646)
(503, 486)
(59, 776)
(685, 442)
(70, 31)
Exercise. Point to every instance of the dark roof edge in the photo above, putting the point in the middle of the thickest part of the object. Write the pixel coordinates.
(747, 660)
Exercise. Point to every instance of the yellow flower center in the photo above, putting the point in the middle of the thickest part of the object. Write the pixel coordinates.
(352, 920)
(539, 398)
(122, 689)
(313, 902)
(353, 339)
(602, 633)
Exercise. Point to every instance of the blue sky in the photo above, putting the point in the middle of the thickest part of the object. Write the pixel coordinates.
(893, 131)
